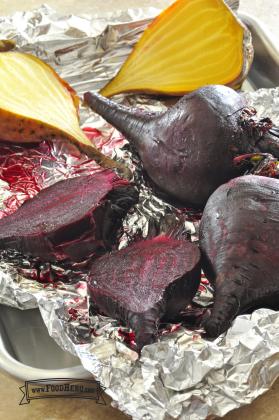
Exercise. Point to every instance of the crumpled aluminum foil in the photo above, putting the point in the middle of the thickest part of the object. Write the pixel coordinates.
(182, 376)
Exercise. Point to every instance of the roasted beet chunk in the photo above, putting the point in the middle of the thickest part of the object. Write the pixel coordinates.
(148, 281)
(72, 219)
(239, 241)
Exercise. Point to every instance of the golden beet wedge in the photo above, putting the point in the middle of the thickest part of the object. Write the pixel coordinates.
(191, 44)
(36, 104)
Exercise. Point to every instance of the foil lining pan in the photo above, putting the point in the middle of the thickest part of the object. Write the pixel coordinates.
(181, 376)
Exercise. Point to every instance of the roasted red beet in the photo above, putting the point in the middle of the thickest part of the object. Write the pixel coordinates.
(72, 219)
(188, 150)
(148, 281)
(239, 240)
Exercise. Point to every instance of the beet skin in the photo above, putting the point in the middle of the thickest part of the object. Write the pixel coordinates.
(239, 241)
(148, 281)
(72, 219)
(188, 150)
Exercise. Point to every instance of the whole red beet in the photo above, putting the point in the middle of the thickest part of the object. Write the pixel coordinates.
(239, 242)
(189, 150)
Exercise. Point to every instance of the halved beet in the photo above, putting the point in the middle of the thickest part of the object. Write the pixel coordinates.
(72, 219)
(146, 282)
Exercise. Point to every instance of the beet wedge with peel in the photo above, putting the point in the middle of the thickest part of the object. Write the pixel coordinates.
(36, 105)
(72, 219)
(190, 44)
(146, 282)
(188, 151)
(239, 242)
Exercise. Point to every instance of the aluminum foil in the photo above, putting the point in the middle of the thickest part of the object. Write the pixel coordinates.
(181, 376)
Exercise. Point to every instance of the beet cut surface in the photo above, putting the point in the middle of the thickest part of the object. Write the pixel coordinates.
(239, 242)
(72, 219)
(146, 282)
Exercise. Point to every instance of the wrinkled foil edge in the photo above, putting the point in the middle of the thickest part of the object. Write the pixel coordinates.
(182, 376)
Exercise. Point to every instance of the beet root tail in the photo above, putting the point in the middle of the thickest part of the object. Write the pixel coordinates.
(145, 326)
(132, 123)
(225, 309)
(221, 318)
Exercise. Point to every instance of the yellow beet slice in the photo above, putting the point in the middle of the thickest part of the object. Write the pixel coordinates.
(36, 104)
(191, 44)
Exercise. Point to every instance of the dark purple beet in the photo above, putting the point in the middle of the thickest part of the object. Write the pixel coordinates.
(188, 150)
(72, 219)
(239, 241)
(148, 281)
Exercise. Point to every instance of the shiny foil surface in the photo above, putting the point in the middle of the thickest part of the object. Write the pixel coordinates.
(181, 376)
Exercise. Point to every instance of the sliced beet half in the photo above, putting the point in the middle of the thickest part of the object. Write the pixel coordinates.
(149, 281)
(72, 219)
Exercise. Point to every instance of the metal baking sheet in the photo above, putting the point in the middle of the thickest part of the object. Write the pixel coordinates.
(264, 72)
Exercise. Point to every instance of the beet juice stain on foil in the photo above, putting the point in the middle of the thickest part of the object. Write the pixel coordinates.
(181, 376)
